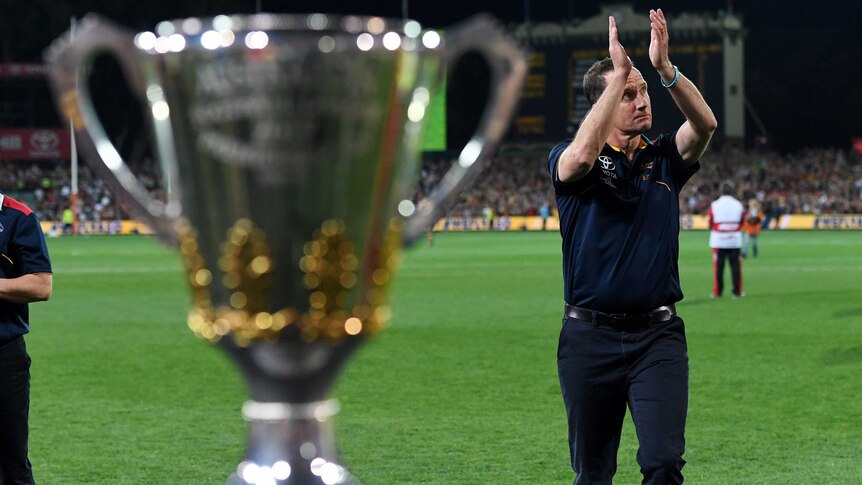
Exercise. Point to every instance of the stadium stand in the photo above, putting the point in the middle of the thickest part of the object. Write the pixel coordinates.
(46, 187)
(813, 181)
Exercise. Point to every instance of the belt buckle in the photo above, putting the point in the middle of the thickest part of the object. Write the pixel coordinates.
(620, 321)
(661, 314)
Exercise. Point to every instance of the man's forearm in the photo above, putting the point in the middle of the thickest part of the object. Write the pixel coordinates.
(689, 100)
(577, 160)
(27, 288)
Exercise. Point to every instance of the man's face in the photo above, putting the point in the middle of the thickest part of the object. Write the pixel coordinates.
(634, 115)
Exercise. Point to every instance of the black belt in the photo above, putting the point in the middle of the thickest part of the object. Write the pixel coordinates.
(622, 321)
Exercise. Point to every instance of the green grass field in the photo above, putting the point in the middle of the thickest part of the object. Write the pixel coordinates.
(462, 387)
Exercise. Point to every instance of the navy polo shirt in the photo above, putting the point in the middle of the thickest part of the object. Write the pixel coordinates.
(22, 251)
(620, 227)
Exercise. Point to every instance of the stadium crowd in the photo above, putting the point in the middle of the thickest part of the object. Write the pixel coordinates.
(46, 187)
(813, 181)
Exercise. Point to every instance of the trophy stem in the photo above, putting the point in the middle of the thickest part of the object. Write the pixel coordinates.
(291, 444)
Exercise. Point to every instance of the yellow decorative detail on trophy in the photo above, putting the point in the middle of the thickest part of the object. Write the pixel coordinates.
(340, 304)
(329, 264)
(200, 278)
(332, 275)
(246, 268)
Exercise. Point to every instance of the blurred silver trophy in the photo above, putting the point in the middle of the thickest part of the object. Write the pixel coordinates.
(291, 145)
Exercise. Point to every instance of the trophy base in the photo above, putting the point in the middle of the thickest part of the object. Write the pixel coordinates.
(291, 444)
(297, 480)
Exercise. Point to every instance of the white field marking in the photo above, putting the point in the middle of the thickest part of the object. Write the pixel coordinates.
(784, 269)
(819, 242)
(60, 270)
(468, 263)
(473, 269)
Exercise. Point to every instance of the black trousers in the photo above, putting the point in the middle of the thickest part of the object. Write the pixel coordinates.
(14, 409)
(602, 371)
(719, 256)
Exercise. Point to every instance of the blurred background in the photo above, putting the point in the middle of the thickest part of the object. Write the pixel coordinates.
(783, 79)
(462, 388)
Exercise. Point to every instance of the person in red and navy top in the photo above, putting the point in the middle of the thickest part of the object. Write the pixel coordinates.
(726, 216)
(622, 343)
(25, 277)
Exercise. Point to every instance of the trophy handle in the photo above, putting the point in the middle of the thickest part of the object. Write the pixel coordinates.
(508, 68)
(70, 59)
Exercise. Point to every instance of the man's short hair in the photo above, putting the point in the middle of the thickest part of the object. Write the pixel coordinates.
(727, 187)
(594, 80)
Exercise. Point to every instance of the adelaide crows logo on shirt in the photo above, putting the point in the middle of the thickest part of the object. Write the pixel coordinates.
(646, 171)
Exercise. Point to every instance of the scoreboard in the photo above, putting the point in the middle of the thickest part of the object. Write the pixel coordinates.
(553, 105)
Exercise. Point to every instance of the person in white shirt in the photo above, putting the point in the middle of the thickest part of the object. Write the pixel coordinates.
(726, 216)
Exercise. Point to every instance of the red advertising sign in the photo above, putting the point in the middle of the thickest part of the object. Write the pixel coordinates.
(26, 70)
(34, 144)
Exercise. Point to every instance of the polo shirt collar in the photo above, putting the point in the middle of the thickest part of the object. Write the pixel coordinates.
(643, 143)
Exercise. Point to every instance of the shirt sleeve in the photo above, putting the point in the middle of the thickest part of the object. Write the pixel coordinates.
(553, 160)
(28, 249)
(679, 171)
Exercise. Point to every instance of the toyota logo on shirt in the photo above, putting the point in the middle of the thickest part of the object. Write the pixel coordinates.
(606, 162)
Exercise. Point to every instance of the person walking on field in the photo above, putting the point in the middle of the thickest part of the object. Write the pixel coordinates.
(753, 224)
(68, 221)
(726, 216)
(545, 213)
(488, 214)
(622, 342)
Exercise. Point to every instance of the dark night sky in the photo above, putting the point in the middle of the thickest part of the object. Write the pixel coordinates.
(803, 61)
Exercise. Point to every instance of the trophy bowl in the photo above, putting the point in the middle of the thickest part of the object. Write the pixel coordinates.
(290, 144)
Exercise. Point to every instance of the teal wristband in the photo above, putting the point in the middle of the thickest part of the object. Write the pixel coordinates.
(675, 78)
